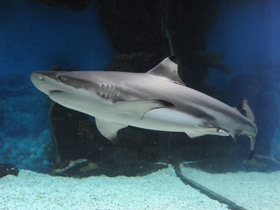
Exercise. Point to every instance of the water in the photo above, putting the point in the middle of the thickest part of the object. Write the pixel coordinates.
(36, 37)
(228, 50)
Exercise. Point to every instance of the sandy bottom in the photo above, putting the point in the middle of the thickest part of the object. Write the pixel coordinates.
(160, 190)
(251, 190)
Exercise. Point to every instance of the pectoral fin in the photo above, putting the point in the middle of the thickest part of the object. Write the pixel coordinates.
(109, 129)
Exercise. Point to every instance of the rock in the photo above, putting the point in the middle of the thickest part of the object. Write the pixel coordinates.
(6, 169)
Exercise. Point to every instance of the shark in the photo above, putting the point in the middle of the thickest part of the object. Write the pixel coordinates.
(156, 100)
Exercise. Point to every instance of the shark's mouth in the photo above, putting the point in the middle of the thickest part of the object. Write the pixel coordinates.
(56, 91)
(56, 94)
(61, 97)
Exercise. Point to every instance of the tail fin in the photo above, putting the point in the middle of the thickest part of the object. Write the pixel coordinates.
(250, 115)
(244, 106)
(252, 147)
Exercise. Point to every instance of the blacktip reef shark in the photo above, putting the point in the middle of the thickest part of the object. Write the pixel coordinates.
(156, 100)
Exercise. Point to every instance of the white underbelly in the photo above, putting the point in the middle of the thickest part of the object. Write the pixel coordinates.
(166, 119)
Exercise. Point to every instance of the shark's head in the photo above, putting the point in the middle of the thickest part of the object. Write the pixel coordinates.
(66, 88)
(53, 82)
(48, 82)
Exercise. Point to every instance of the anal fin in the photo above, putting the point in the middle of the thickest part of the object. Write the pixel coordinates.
(195, 134)
(207, 131)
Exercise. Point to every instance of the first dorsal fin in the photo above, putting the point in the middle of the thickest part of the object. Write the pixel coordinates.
(167, 68)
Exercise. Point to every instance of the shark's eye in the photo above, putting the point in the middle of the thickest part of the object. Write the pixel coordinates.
(58, 78)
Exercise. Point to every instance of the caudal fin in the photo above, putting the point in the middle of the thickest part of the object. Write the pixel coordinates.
(252, 147)
(249, 113)
(244, 106)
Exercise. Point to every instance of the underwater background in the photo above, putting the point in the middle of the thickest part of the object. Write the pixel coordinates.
(35, 37)
(237, 55)
(228, 49)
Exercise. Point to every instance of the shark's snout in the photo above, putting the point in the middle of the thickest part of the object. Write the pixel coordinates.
(43, 82)
(36, 76)
(38, 81)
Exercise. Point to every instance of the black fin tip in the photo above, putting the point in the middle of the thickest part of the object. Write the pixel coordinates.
(251, 154)
(173, 58)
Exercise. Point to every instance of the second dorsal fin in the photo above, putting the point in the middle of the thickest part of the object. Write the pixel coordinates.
(167, 68)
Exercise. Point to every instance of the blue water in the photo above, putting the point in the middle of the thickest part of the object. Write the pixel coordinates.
(249, 38)
(35, 37)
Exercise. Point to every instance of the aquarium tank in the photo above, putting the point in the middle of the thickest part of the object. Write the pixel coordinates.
(139, 104)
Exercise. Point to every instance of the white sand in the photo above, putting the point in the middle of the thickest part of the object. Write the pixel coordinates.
(160, 190)
(251, 190)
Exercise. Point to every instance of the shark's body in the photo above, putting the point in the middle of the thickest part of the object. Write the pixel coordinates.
(156, 100)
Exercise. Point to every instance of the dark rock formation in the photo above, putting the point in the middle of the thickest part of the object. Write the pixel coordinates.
(76, 138)
(77, 5)
(160, 28)
(8, 169)
(64, 126)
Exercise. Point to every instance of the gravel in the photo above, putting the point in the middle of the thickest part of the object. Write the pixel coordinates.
(159, 190)
(251, 190)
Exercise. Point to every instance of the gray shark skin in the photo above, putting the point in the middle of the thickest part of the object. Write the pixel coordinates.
(156, 100)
